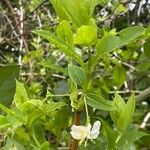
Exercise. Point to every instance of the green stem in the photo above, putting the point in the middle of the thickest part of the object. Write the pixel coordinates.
(86, 109)
(73, 142)
(118, 137)
(87, 81)
(61, 95)
(88, 71)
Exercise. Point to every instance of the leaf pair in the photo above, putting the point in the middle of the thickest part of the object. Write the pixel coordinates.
(123, 112)
(79, 12)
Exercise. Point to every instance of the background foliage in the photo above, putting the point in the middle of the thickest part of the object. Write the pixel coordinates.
(43, 66)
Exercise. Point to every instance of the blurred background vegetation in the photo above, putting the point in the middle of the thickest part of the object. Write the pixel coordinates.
(124, 70)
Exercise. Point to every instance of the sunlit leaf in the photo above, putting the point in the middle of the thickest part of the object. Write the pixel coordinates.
(44, 146)
(20, 94)
(3, 122)
(123, 112)
(126, 114)
(64, 33)
(77, 11)
(86, 35)
(118, 105)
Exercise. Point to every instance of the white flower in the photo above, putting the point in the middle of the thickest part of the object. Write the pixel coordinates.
(85, 132)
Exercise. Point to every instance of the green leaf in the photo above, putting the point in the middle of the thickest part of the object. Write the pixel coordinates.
(3, 122)
(118, 105)
(44, 146)
(77, 11)
(86, 35)
(6, 110)
(76, 74)
(12, 115)
(119, 76)
(109, 43)
(129, 138)
(123, 112)
(53, 106)
(33, 109)
(58, 125)
(12, 144)
(126, 114)
(121, 9)
(147, 48)
(22, 135)
(98, 102)
(56, 67)
(110, 134)
(102, 2)
(20, 94)
(60, 9)
(63, 47)
(64, 33)
(38, 132)
(130, 33)
(15, 121)
(7, 83)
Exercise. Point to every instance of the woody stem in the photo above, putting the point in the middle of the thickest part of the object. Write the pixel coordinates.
(73, 142)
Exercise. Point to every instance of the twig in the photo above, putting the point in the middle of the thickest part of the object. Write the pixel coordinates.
(61, 57)
(125, 63)
(21, 33)
(39, 21)
(59, 76)
(63, 148)
(14, 32)
(73, 142)
(136, 11)
(12, 12)
(130, 66)
(123, 92)
(140, 7)
(145, 120)
(143, 95)
(18, 24)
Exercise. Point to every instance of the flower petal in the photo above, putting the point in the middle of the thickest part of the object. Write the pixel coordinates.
(79, 132)
(75, 135)
(95, 130)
